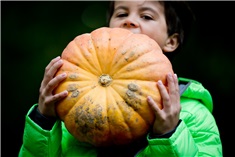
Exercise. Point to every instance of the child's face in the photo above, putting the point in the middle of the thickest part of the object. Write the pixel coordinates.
(144, 17)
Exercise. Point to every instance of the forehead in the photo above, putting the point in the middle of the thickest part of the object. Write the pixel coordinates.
(140, 4)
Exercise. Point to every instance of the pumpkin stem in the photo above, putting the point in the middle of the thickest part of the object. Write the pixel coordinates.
(105, 80)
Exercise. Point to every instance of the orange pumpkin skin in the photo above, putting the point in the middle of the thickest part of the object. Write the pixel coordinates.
(111, 71)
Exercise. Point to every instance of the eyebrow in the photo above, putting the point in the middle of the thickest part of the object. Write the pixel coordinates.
(121, 7)
(141, 9)
(148, 9)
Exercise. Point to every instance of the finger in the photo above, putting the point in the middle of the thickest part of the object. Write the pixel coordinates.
(154, 106)
(54, 83)
(49, 103)
(176, 98)
(175, 78)
(51, 72)
(171, 83)
(58, 97)
(53, 61)
(54, 68)
(164, 93)
(173, 87)
(48, 67)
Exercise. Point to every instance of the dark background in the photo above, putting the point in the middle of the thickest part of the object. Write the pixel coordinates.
(32, 33)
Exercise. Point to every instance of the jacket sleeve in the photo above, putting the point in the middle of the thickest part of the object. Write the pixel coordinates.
(197, 135)
(38, 142)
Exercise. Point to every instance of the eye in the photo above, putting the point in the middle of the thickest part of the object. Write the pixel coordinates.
(147, 17)
(122, 15)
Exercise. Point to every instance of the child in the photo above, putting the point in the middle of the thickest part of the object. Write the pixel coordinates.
(187, 127)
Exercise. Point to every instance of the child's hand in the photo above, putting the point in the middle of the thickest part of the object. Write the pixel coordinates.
(168, 117)
(46, 102)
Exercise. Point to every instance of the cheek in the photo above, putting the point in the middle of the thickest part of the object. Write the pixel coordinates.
(112, 23)
(159, 36)
(159, 41)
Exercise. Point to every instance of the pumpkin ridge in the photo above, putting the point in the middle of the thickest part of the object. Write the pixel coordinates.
(99, 46)
(109, 50)
(147, 67)
(70, 50)
(116, 96)
(113, 63)
(131, 125)
(141, 99)
(92, 51)
(107, 108)
(92, 43)
(106, 36)
(122, 73)
(76, 94)
(76, 72)
(82, 89)
(87, 104)
(127, 55)
(110, 121)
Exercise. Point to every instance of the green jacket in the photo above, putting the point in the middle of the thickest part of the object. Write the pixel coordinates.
(196, 135)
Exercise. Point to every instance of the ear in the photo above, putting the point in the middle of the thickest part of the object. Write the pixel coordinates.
(171, 43)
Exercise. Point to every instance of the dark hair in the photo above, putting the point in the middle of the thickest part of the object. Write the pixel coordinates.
(179, 19)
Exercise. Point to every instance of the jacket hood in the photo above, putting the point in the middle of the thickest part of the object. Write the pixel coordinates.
(193, 89)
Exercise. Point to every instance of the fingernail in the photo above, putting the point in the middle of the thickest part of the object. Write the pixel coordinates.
(65, 92)
(159, 82)
(60, 61)
(170, 75)
(64, 74)
(57, 57)
(148, 98)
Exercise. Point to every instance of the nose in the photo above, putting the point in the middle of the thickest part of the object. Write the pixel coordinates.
(130, 22)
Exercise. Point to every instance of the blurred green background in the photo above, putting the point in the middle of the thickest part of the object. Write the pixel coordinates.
(34, 32)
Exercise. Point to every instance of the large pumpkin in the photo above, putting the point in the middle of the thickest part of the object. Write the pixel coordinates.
(111, 71)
